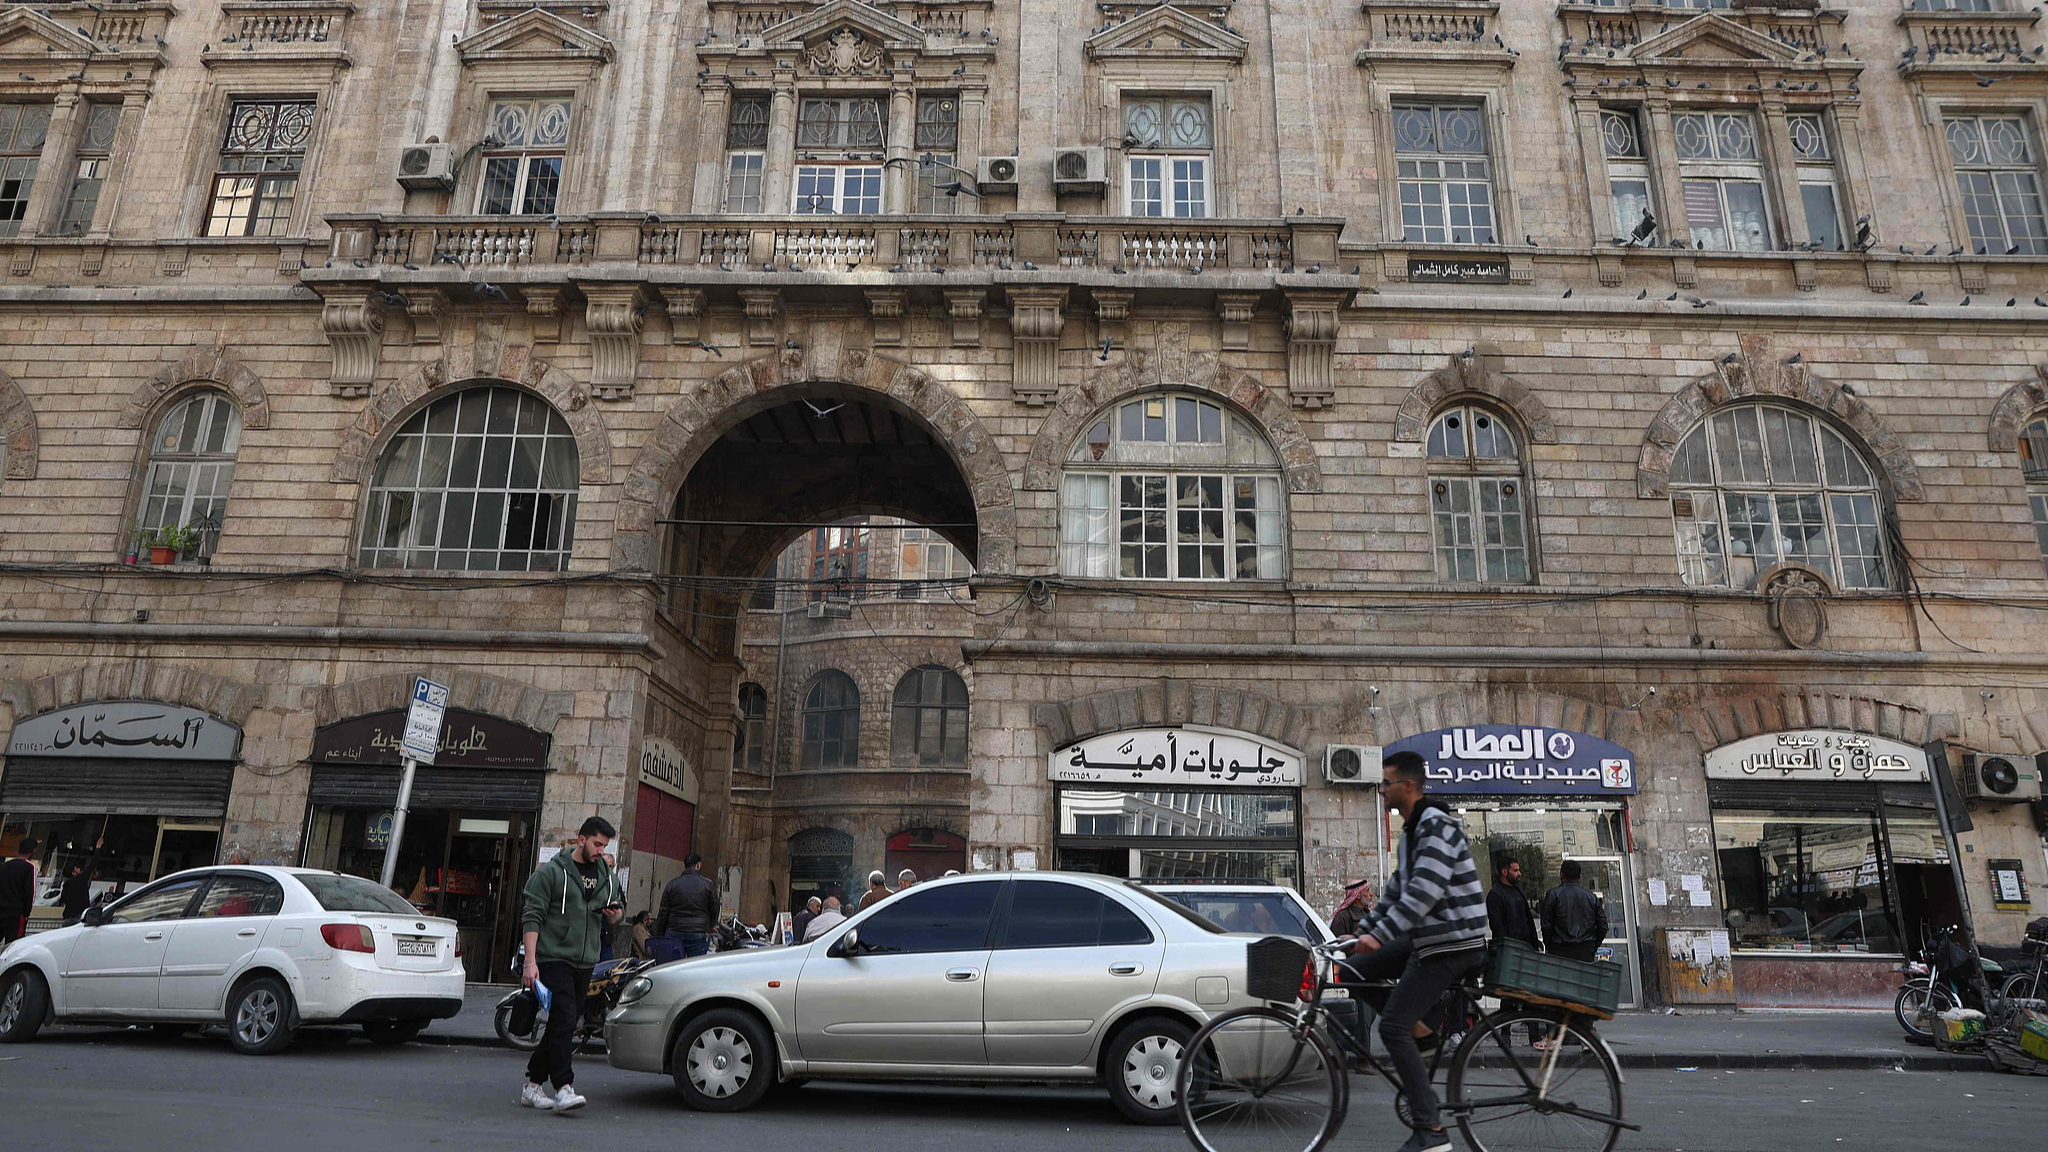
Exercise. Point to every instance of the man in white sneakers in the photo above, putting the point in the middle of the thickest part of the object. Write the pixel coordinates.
(567, 901)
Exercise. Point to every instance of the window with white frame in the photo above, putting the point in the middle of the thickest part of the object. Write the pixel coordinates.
(2034, 468)
(89, 173)
(528, 144)
(1757, 484)
(484, 479)
(938, 138)
(1957, 5)
(23, 128)
(840, 142)
(1998, 177)
(1721, 173)
(922, 554)
(1475, 498)
(1446, 181)
(746, 153)
(1628, 175)
(1169, 143)
(191, 463)
(1819, 189)
(1172, 488)
(257, 181)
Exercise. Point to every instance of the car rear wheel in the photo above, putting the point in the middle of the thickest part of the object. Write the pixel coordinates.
(24, 1001)
(392, 1033)
(260, 1017)
(1144, 1066)
(723, 1061)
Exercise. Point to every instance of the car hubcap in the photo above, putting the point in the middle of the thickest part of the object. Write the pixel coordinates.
(10, 1006)
(721, 1062)
(257, 1018)
(1150, 1069)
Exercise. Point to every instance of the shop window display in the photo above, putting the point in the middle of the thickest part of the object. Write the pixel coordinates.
(1829, 881)
(134, 850)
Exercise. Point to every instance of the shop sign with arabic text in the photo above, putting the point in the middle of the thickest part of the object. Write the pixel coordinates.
(1502, 760)
(131, 729)
(1818, 755)
(1164, 757)
(468, 740)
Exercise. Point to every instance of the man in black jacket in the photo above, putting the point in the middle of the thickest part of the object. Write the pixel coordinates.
(689, 908)
(1507, 910)
(76, 895)
(1574, 920)
(17, 891)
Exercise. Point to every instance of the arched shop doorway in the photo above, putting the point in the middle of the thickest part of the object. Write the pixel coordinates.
(928, 852)
(820, 864)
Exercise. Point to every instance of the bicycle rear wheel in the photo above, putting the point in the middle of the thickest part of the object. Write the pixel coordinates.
(1521, 1099)
(1257, 1080)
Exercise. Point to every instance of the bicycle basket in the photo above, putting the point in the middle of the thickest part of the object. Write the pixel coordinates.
(1516, 971)
(1273, 967)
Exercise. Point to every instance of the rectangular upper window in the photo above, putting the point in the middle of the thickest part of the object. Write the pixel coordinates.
(1446, 181)
(1722, 177)
(256, 183)
(95, 153)
(23, 128)
(1169, 146)
(1819, 189)
(840, 143)
(1628, 176)
(523, 157)
(938, 138)
(1999, 181)
(746, 153)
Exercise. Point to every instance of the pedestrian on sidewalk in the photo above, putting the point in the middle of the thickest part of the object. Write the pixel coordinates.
(689, 908)
(1508, 916)
(1574, 920)
(17, 891)
(905, 879)
(825, 921)
(640, 936)
(76, 894)
(566, 900)
(878, 890)
(1357, 902)
(802, 920)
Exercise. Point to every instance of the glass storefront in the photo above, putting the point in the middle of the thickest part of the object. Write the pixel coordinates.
(1869, 879)
(132, 850)
(1176, 834)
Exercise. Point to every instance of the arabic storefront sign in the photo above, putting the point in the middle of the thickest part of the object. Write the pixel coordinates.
(1500, 759)
(1818, 755)
(1164, 757)
(131, 729)
(663, 765)
(468, 740)
(1424, 271)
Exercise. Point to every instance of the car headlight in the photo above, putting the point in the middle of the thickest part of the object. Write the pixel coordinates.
(638, 987)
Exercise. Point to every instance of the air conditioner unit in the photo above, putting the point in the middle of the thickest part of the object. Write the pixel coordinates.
(1080, 170)
(831, 609)
(996, 174)
(1351, 764)
(2001, 779)
(427, 166)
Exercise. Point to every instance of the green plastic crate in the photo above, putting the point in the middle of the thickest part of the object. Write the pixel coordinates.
(1513, 969)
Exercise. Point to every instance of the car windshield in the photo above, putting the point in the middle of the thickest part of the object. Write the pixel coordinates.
(1267, 913)
(1183, 913)
(338, 893)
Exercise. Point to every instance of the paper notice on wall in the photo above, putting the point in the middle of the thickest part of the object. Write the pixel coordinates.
(1692, 882)
(543, 854)
(1702, 951)
(1024, 860)
(1660, 892)
(1701, 899)
(1719, 937)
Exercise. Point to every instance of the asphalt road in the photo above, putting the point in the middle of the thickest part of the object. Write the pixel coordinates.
(81, 1090)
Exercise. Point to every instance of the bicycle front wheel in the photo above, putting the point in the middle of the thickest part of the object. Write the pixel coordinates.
(1564, 1097)
(1258, 1080)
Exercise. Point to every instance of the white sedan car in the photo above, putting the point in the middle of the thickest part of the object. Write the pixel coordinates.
(261, 950)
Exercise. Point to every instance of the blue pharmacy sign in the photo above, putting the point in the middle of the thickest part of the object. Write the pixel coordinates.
(1504, 760)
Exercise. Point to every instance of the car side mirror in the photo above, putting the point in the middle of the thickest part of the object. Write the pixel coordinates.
(94, 916)
(847, 945)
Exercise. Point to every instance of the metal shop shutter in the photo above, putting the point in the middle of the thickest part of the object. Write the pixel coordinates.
(361, 786)
(57, 786)
(1794, 796)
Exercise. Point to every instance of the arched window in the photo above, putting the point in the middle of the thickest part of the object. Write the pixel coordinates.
(750, 743)
(1758, 484)
(481, 480)
(2034, 467)
(1476, 498)
(1172, 488)
(191, 461)
(832, 722)
(930, 727)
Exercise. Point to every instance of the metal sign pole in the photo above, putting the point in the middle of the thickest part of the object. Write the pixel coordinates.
(398, 821)
(421, 740)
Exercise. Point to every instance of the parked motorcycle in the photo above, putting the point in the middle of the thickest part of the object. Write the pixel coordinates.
(520, 1021)
(733, 935)
(1931, 989)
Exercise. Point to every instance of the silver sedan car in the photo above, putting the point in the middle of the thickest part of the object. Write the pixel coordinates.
(1025, 976)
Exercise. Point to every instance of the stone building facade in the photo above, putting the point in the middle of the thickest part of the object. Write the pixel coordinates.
(1162, 316)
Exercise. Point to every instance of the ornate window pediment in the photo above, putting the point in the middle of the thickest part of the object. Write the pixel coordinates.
(1715, 37)
(1166, 32)
(29, 37)
(535, 36)
(841, 39)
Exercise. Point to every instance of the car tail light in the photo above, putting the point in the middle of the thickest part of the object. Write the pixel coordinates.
(1307, 990)
(349, 938)
(458, 947)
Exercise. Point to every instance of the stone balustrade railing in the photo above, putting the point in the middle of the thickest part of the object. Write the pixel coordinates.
(1596, 27)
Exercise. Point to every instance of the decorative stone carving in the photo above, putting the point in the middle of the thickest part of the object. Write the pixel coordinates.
(1236, 310)
(845, 53)
(354, 323)
(1312, 348)
(1798, 604)
(427, 307)
(685, 314)
(1037, 315)
(545, 306)
(763, 306)
(614, 313)
(964, 304)
(1112, 310)
(886, 305)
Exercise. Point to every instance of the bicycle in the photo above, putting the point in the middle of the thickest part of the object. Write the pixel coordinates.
(1267, 1079)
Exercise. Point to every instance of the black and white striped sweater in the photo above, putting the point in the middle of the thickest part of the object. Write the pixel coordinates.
(1433, 896)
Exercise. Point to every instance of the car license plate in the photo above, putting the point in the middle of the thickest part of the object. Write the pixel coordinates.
(417, 946)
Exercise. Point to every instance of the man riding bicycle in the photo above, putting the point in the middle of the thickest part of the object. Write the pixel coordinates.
(1428, 932)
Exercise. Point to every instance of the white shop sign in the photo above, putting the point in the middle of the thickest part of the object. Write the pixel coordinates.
(1818, 754)
(133, 729)
(664, 766)
(1166, 757)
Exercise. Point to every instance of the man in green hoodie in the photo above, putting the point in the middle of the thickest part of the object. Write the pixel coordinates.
(567, 898)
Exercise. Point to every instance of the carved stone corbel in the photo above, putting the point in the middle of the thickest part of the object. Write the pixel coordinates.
(545, 306)
(1312, 348)
(685, 314)
(885, 307)
(1037, 316)
(763, 306)
(428, 307)
(1236, 310)
(354, 323)
(1112, 312)
(964, 305)
(614, 314)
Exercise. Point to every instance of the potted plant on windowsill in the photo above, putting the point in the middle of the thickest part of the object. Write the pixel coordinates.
(138, 543)
(169, 544)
